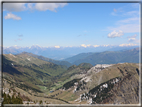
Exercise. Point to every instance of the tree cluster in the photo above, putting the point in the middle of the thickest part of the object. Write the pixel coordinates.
(12, 100)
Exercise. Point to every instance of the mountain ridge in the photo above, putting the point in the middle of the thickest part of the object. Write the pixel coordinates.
(106, 57)
(47, 59)
(61, 52)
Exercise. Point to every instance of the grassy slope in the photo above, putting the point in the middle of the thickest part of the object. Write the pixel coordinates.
(33, 72)
(64, 63)
(72, 70)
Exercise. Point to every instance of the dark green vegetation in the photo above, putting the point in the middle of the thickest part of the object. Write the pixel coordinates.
(46, 59)
(110, 86)
(12, 100)
(70, 83)
(108, 57)
(102, 95)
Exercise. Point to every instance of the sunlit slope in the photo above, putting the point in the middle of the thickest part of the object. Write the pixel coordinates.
(93, 79)
(25, 59)
(35, 63)
(64, 63)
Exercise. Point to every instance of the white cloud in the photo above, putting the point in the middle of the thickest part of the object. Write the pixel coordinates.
(115, 34)
(96, 46)
(14, 7)
(12, 16)
(83, 45)
(32, 6)
(57, 46)
(130, 44)
(49, 6)
(132, 38)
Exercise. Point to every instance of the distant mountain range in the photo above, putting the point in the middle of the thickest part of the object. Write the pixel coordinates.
(107, 57)
(61, 53)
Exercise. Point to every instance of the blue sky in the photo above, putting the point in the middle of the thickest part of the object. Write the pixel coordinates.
(71, 24)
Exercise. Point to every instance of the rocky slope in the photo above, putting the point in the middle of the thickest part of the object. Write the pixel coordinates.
(103, 84)
(126, 91)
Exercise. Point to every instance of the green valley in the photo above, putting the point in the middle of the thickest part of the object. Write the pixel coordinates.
(39, 81)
